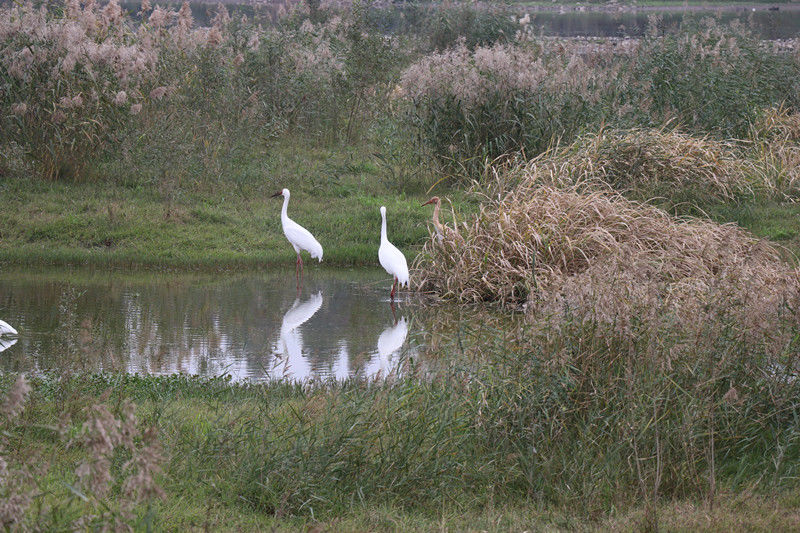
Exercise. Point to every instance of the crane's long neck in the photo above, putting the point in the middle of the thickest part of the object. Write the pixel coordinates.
(383, 228)
(284, 216)
(436, 223)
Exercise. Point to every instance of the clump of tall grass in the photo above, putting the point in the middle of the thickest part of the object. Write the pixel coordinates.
(710, 78)
(68, 81)
(577, 419)
(473, 105)
(100, 493)
(89, 80)
(596, 255)
(648, 163)
(775, 138)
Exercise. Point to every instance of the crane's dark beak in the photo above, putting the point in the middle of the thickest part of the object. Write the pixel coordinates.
(429, 202)
(279, 193)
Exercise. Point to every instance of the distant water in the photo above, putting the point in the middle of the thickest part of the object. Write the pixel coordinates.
(763, 19)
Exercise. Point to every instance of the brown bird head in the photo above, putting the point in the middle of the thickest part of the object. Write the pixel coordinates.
(434, 200)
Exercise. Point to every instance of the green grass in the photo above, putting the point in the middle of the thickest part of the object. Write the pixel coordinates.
(234, 223)
(777, 222)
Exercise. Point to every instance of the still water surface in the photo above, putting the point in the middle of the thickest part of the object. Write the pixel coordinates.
(250, 326)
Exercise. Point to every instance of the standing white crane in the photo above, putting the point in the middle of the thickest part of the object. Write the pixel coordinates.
(392, 260)
(299, 237)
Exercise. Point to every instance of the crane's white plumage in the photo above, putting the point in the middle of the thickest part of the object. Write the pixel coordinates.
(6, 329)
(299, 237)
(392, 259)
(7, 342)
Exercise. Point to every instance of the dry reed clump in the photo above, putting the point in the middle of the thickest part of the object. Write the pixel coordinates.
(103, 436)
(16, 492)
(644, 163)
(566, 255)
(775, 138)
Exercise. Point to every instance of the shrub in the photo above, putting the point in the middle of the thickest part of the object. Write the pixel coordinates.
(68, 80)
(474, 106)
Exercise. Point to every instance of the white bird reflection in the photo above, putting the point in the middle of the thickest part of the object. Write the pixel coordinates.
(292, 365)
(389, 342)
(6, 329)
(5, 341)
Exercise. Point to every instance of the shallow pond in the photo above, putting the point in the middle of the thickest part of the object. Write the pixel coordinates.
(251, 326)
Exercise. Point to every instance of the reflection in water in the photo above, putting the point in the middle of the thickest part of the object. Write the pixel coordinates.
(248, 326)
(6, 343)
(6, 329)
(389, 342)
(6, 339)
(291, 363)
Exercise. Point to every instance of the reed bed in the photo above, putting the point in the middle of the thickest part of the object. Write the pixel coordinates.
(577, 422)
(775, 147)
(647, 163)
(563, 254)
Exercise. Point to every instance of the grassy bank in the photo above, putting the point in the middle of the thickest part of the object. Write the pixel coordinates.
(105, 224)
(336, 194)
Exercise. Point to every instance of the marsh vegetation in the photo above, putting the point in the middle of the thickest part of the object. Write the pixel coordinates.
(624, 355)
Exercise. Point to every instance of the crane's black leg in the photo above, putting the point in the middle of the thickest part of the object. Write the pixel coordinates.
(394, 285)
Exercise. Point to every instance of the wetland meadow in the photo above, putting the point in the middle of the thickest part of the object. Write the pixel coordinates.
(601, 331)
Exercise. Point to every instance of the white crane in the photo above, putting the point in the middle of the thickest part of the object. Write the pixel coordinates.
(6, 329)
(7, 342)
(392, 259)
(299, 237)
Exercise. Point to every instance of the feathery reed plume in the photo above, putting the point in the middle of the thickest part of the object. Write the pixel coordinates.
(15, 400)
(100, 435)
(15, 496)
(144, 466)
(15, 491)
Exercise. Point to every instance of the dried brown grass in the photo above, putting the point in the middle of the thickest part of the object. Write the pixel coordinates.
(564, 254)
(775, 138)
(102, 436)
(645, 163)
